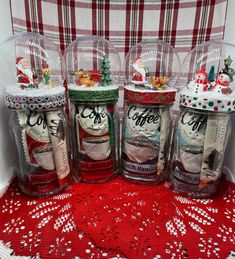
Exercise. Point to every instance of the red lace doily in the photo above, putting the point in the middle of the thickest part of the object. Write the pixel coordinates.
(119, 220)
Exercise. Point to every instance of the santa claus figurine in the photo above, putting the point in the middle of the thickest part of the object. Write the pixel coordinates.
(25, 74)
(201, 77)
(141, 72)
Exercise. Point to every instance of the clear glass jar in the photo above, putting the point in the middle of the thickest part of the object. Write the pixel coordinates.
(207, 99)
(35, 96)
(145, 142)
(151, 73)
(41, 139)
(95, 128)
(93, 73)
(200, 140)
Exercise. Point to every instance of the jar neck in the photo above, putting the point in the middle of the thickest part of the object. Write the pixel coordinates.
(162, 105)
(204, 112)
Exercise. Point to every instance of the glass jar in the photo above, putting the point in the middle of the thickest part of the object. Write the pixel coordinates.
(95, 138)
(200, 141)
(35, 95)
(145, 142)
(203, 126)
(152, 70)
(92, 73)
(43, 151)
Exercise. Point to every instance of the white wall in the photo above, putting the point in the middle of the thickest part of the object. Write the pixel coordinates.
(229, 37)
(6, 31)
(5, 156)
(5, 20)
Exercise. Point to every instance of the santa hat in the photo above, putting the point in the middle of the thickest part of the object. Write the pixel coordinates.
(18, 59)
(136, 60)
(202, 71)
(45, 65)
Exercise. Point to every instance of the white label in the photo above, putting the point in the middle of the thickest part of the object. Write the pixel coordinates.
(192, 128)
(142, 121)
(93, 119)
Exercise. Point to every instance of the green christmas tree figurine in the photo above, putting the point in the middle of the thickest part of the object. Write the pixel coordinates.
(211, 75)
(105, 72)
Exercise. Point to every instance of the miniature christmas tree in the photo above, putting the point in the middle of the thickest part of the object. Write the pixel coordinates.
(105, 74)
(211, 75)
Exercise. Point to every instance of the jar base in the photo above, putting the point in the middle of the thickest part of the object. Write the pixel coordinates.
(194, 191)
(45, 190)
(102, 179)
(142, 179)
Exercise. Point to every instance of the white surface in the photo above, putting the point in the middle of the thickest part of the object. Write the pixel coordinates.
(6, 252)
(5, 20)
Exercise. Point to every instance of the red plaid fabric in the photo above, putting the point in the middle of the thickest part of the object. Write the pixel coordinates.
(182, 23)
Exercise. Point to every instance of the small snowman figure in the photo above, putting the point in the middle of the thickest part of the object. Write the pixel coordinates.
(200, 78)
(225, 78)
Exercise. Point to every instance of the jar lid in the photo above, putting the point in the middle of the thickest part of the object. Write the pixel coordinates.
(32, 76)
(93, 94)
(40, 99)
(206, 100)
(205, 94)
(207, 77)
(133, 94)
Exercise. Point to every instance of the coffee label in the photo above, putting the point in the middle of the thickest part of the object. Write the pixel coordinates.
(191, 130)
(142, 121)
(36, 140)
(92, 129)
(35, 124)
(93, 119)
(141, 133)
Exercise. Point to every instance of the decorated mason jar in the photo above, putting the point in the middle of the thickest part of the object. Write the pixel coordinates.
(152, 69)
(92, 68)
(203, 126)
(31, 75)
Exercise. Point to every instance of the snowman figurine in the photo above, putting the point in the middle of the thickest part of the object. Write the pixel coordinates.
(225, 78)
(200, 78)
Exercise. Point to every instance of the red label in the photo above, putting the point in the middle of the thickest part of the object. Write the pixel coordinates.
(149, 97)
(96, 166)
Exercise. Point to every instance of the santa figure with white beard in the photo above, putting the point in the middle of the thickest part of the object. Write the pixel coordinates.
(25, 74)
(141, 72)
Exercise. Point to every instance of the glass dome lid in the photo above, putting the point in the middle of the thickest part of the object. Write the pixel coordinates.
(152, 67)
(208, 77)
(31, 72)
(92, 69)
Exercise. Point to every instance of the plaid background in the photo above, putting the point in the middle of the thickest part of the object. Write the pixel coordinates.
(182, 23)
